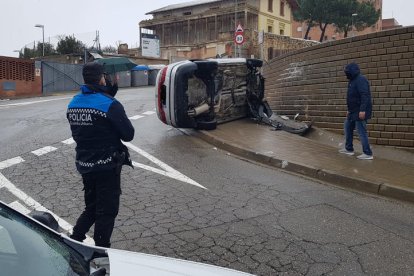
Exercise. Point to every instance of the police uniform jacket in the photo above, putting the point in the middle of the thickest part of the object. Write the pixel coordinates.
(98, 123)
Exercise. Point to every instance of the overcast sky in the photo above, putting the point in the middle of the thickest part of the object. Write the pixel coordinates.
(117, 21)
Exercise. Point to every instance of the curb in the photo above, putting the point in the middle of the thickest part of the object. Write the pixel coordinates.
(382, 189)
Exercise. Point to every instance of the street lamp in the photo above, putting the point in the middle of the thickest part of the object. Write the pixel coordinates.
(17, 51)
(353, 15)
(235, 27)
(43, 33)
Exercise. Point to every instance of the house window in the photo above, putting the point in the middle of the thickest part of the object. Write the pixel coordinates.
(270, 26)
(282, 8)
(281, 28)
(187, 13)
(270, 5)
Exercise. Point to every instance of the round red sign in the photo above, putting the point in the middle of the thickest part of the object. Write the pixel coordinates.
(239, 38)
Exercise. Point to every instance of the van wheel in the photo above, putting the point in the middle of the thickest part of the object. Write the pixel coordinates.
(206, 125)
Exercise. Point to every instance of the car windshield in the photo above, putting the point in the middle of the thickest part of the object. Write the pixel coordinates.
(28, 249)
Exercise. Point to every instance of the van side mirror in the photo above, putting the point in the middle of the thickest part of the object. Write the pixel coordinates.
(46, 219)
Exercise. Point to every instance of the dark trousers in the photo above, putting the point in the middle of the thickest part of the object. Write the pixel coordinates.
(102, 192)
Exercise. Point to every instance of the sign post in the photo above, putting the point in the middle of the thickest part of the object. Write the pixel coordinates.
(239, 36)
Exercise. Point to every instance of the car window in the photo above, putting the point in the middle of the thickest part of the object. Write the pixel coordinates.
(26, 248)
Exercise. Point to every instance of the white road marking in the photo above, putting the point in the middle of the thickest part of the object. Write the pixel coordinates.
(136, 117)
(69, 141)
(30, 202)
(4, 182)
(178, 176)
(10, 162)
(34, 102)
(19, 207)
(148, 113)
(168, 171)
(43, 150)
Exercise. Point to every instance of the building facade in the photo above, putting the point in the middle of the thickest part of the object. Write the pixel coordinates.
(204, 29)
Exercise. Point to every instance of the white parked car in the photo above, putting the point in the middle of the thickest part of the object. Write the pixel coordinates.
(28, 247)
(203, 93)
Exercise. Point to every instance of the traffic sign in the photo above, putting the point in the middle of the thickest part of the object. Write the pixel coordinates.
(239, 28)
(239, 35)
(239, 38)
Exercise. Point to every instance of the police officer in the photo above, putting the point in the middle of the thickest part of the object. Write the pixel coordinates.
(98, 123)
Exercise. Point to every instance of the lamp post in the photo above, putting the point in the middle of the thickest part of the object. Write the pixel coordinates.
(235, 26)
(353, 15)
(17, 51)
(43, 34)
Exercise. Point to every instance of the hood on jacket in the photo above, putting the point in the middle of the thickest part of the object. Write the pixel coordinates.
(352, 70)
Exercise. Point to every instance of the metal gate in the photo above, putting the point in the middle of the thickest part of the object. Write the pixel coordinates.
(60, 77)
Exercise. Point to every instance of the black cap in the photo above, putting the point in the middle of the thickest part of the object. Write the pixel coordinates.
(92, 72)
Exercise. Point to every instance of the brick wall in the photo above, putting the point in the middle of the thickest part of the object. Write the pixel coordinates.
(18, 78)
(311, 82)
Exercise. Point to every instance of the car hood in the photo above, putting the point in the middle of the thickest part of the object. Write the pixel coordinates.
(131, 263)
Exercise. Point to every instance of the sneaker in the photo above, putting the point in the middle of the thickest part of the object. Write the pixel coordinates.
(365, 157)
(345, 151)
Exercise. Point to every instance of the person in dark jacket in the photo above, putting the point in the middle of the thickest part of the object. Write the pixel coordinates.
(99, 125)
(359, 105)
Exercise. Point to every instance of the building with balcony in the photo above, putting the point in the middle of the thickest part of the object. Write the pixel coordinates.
(204, 29)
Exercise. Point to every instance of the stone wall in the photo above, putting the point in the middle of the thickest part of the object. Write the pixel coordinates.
(311, 82)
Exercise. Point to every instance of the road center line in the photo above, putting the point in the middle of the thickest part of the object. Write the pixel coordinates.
(136, 117)
(148, 113)
(10, 162)
(43, 150)
(69, 141)
(34, 102)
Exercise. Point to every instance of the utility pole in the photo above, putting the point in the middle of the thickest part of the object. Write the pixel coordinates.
(43, 34)
(353, 33)
(235, 26)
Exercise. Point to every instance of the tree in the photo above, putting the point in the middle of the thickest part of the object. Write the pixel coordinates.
(316, 13)
(109, 49)
(27, 53)
(328, 13)
(70, 45)
(49, 49)
(368, 16)
(323, 13)
(306, 13)
(344, 18)
(365, 16)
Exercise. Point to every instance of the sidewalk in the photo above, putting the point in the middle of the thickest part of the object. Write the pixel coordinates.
(390, 174)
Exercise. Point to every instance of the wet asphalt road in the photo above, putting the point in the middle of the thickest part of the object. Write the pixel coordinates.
(249, 217)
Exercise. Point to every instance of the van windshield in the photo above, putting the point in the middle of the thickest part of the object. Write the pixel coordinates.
(27, 248)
